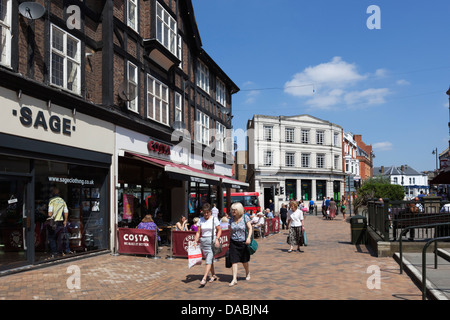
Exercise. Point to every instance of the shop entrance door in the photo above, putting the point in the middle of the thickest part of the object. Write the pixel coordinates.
(15, 224)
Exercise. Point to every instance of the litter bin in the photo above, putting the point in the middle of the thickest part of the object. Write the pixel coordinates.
(358, 226)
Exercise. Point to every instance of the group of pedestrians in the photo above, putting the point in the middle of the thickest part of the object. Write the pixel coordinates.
(209, 232)
(330, 208)
(241, 232)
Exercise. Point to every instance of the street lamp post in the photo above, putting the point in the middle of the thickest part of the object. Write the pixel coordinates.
(435, 151)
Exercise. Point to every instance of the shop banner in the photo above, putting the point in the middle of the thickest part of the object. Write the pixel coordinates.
(266, 227)
(182, 239)
(137, 241)
(128, 203)
(276, 225)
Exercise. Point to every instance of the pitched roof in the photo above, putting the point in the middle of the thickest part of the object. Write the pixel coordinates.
(394, 170)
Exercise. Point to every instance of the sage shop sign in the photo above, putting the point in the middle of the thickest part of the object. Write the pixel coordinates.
(55, 123)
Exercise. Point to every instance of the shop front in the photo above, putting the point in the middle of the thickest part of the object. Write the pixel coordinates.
(159, 179)
(50, 161)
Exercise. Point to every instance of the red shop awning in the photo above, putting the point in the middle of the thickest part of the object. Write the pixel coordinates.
(185, 172)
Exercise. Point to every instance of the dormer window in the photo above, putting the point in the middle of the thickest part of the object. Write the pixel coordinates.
(166, 30)
(132, 14)
(221, 93)
(203, 76)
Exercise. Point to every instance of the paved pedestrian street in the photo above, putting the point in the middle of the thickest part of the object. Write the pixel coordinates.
(329, 268)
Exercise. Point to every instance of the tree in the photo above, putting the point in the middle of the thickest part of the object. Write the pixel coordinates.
(375, 188)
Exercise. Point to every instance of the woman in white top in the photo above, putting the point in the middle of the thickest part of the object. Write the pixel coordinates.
(207, 227)
(295, 226)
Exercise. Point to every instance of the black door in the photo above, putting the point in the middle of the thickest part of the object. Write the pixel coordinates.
(15, 224)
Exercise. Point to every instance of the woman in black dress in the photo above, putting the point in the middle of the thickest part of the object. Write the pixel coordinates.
(240, 237)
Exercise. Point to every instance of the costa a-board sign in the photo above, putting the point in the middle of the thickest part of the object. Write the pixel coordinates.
(136, 241)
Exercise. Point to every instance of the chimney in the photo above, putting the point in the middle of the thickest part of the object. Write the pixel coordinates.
(382, 169)
(403, 168)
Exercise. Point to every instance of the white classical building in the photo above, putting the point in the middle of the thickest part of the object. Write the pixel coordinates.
(294, 157)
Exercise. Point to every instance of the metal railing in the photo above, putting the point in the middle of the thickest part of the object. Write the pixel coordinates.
(424, 262)
(424, 251)
(389, 218)
(404, 231)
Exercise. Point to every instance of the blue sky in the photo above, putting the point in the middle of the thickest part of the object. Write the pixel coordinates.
(318, 57)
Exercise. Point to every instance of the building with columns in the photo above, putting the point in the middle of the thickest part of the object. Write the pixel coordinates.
(294, 157)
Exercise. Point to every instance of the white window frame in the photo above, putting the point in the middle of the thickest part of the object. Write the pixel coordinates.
(202, 128)
(221, 135)
(320, 160)
(157, 98)
(180, 51)
(132, 18)
(290, 159)
(221, 93)
(76, 60)
(166, 29)
(5, 36)
(320, 137)
(132, 86)
(306, 160)
(336, 139)
(289, 135)
(268, 158)
(305, 139)
(336, 162)
(178, 107)
(268, 133)
(202, 80)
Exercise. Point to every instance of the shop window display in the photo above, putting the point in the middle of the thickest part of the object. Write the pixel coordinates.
(80, 187)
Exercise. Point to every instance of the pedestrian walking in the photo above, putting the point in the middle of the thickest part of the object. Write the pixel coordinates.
(240, 237)
(311, 206)
(296, 226)
(283, 215)
(332, 207)
(343, 207)
(208, 233)
(324, 207)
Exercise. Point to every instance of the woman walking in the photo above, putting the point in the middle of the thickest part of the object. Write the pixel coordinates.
(206, 233)
(240, 237)
(296, 226)
(332, 207)
(343, 205)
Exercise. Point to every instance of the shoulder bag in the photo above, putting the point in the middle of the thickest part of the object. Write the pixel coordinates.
(253, 246)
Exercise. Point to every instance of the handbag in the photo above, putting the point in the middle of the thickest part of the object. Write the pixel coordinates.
(305, 240)
(253, 246)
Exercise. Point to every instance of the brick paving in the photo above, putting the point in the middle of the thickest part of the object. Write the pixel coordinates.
(330, 268)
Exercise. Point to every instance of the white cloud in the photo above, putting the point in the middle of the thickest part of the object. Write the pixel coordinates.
(402, 82)
(333, 83)
(251, 96)
(382, 146)
(368, 96)
(381, 73)
(336, 73)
